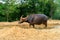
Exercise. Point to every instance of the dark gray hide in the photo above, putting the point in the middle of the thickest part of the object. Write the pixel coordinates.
(37, 19)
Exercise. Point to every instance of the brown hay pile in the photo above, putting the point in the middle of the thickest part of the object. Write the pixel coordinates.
(14, 31)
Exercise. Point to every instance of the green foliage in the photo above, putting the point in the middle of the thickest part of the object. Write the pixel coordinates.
(57, 12)
(56, 16)
(12, 12)
(38, 6)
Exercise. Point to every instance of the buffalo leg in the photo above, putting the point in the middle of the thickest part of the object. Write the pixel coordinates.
(29, 25)
(45, 23)
(33, 25)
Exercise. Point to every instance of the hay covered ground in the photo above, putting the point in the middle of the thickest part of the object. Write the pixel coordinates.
(15, 31)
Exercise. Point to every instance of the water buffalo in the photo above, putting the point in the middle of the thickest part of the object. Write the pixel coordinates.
(35, 19)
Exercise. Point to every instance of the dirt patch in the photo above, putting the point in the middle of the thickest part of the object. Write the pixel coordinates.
(15, 31)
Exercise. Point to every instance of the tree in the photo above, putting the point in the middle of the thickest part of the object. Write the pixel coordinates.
(46, 7)
(11, 11)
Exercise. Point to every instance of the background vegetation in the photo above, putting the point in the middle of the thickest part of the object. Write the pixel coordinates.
(11, 10)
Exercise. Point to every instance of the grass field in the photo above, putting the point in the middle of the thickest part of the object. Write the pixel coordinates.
(15, 31)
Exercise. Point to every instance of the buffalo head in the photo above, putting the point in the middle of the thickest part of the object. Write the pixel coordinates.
(22, 19)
